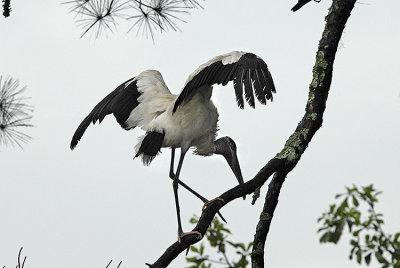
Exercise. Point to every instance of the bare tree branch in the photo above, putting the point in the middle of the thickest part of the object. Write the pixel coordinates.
(295, 146)
(262, 229)
(318, 93)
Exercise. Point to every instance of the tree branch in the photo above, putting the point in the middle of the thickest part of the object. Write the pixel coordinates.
(312, 120)
(262, 229)
(295, 146)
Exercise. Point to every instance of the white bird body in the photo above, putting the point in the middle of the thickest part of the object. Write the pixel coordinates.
(193, 125)
(188, 119)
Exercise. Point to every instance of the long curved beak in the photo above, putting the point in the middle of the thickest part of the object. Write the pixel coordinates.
(235, 166)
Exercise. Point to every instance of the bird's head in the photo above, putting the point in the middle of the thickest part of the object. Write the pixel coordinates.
(226, 147)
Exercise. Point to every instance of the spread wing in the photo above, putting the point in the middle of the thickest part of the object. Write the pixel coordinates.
(248, 72)
(133, 103)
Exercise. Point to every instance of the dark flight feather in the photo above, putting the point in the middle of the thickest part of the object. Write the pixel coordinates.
(120, 102)
(249, 73)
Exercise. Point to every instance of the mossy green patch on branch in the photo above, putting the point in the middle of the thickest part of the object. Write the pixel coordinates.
(304, 132)
(258, 249)
(312, 116)
(289, 151)
(325, 33)
(311, 97)
(321, 60)
(314, 82)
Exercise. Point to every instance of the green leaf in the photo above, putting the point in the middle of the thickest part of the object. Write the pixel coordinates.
(349, 224)
(322, 229)
(232, 244)
(338, 195)
(367, 239)
(194, 249)
(241, 245)
(396, 237)
(342, 207)
(359, 255)
(380, 258)
(193, 220)
(368, 258)
(325, 238)
(332, 208)
(355, 201)
(335, 236)
(191, 259)
(356, 233)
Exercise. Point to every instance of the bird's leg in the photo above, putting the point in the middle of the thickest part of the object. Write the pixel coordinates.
(171, 168)
(175, 187)
(172, 176)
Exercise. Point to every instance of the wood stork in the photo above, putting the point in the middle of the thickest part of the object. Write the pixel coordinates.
(188, 119)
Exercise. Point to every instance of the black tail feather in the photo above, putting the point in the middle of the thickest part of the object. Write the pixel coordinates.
(150, 146)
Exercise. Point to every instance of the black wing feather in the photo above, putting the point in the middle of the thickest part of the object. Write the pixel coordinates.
(270, 85)
(238, 85)
(248, 89)
(249, 71)
(120, 102)
(228, 78)
(259, 88)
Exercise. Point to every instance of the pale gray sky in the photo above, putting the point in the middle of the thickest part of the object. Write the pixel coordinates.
(83, 208)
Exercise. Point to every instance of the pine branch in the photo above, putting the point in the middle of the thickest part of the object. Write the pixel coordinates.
(148, 16)
(6, 8)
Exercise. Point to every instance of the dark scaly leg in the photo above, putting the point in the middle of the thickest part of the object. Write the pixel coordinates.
(172, 176)
(175, 187)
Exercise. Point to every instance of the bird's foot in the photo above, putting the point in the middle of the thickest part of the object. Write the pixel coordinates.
(182, 234)
(212, 200)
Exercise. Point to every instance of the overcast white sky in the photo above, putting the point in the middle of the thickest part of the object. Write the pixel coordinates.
(83, 208)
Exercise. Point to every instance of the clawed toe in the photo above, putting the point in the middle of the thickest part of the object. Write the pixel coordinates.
(212, 200)
(180, 235)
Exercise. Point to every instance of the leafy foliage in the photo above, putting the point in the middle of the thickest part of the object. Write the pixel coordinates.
(217, 236)
(368, 238)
